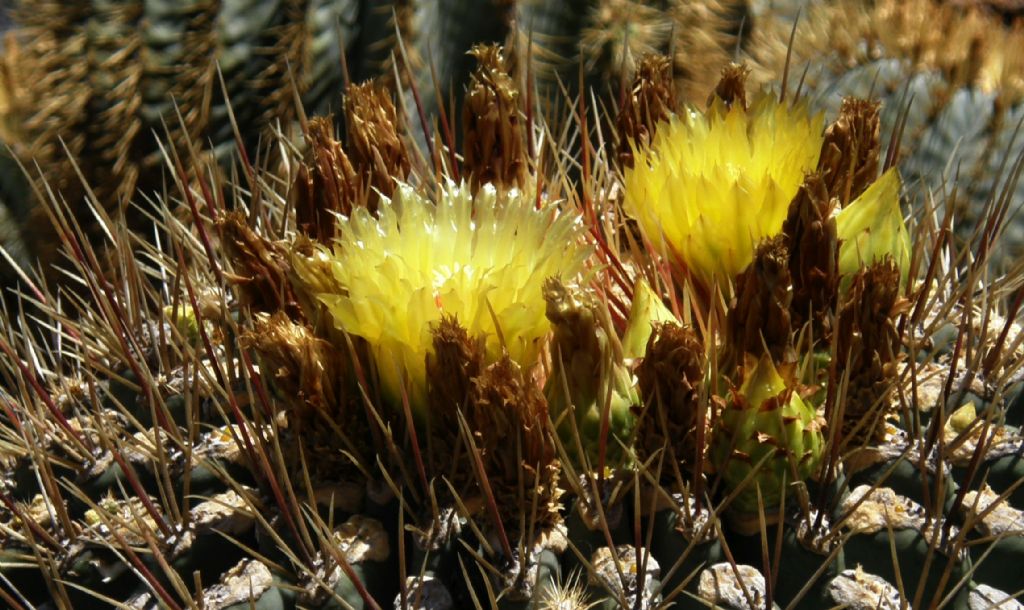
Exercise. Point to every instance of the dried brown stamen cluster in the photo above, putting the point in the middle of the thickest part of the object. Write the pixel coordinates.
(670, 377)
(759, 319)
(510, 423)
(732, 86)
(650, 100)
(259, 265)
(374, 142)
(849, 159)
(456, 362)
(309, 376)
(507, 414)
(814, 257)
(326, 185)
(868, 346)
(494, 145)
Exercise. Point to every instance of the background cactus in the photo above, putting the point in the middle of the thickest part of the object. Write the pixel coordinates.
(106, 110)
(949, 77)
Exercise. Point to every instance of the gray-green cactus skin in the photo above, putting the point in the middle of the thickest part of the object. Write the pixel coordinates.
(956, 135)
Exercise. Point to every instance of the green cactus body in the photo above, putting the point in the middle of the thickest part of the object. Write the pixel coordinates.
(998, 538)
(685, 539)
(926, 560)
(591, 381)
(767, 432)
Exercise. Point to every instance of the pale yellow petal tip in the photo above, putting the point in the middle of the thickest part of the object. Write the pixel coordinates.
(712, 185)
(647, 309)
(872, 228)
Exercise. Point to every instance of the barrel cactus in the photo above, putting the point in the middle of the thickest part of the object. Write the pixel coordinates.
(500, 374)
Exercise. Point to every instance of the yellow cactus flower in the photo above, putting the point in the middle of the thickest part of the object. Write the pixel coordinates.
(479, 259)
(713, 184)
(871, 228)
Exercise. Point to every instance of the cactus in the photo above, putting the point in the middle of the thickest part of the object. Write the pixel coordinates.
(105, 78)
(316, 392)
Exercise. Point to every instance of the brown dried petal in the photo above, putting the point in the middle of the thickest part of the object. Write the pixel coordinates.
(510, 422)
(810, 231)
(732, 87)
(849, 154)
(304, 367)
(259, 266)
(869, 343)
(326, 183)
(326, 424)
(455, 363)
(494, 146)
(669, 378)
(375, 145)
(651, 99)
(759, 315)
